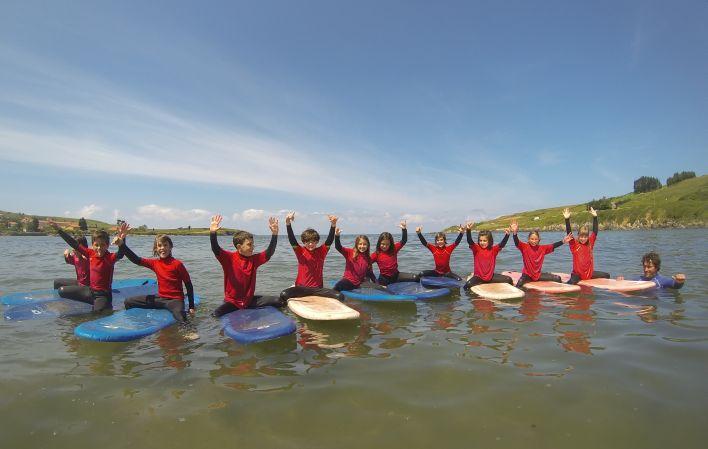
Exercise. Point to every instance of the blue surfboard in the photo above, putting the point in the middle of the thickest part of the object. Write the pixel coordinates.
(440, 282)
(417, 290)
(252, 325)
(61, 307)
(127, 325)
(51, 295)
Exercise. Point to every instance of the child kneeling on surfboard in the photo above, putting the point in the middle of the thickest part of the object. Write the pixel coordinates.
(81, 266)
(581, 250)
(484, 254)
(386, 256)
(357, 263)
(310, 261)
(441, 254)
(533, 254)
(240, 269)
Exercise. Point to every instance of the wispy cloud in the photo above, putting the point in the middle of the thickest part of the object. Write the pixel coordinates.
(171, 214)
(89, 210)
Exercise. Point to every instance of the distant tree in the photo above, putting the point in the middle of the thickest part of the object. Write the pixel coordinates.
(143, 227)
(646, 184)
(82, 224)
(601, 204)
(189, 227)
(33, 225)
(678, 177)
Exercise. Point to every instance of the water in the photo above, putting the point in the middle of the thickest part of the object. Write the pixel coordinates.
(587, 371)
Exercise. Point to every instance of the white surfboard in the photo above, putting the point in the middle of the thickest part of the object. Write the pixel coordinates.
(321, 308)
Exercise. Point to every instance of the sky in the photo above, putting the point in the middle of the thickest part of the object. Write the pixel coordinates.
(165, 112)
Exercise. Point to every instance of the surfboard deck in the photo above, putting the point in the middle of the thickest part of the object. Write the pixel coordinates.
(440, 282)
(321, 308)
(125, 287)
(499, 291)
(127, 325)
(253, 325)
(545, 286)
(618, 286)
(417, 290)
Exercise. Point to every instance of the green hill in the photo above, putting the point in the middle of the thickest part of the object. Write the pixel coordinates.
(684, 204)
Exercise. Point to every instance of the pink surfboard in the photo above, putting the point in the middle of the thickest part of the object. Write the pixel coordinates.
(618, 286)
(545, 286)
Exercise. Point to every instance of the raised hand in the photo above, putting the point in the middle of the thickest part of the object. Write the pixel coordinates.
(461, 228)
(215, 223)
(289, 218)
(337, 231)
(566, 213)
(593, 212)
(419, 229)
(332, 219)
(568, 238)
(123, 230)
(53, 224)
(273, 225)
(469, 225)
(507, 231)
(402, 224)
(514, 226)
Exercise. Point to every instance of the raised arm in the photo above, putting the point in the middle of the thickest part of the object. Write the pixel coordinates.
(566, 215)
(468, 232)
(459, 236)
(289, 218)
(404, 237)
(71, 241)
(338, 242)
(419, 232)
(503, 242)
(213, 227)
(332, 227)
(273, 225)
(593, 212)
(560, 243)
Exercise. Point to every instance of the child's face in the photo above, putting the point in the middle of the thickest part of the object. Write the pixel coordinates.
(483, 241)
(385, 245)
(362, 246)
(534, 239)
(439, 242)
(583, 238)
(649, 269)
(100, 247)
(310, 245)
(245, 248)
(164, 249)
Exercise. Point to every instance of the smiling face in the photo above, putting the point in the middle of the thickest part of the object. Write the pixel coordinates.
(100, 247)
(534, 239)
(650, 269)
(483, 241)
(439, 242)
(384, 245)
(583, 238)
(362, 245)
(245, 248)
(163, 249)
(310, 245)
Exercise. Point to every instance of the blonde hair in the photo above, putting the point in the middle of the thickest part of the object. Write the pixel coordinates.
(356, 243)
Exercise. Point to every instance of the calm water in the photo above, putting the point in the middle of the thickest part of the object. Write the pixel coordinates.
(584, 371)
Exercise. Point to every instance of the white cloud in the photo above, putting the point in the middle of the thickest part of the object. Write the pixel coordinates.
(89, 211)
(249, 215)
(155, 212)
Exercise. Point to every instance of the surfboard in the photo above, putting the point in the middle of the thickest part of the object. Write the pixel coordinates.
(253, 325)
(127, 325)
(618, 286)
(321, 308)
(497, 291)
(126, 287)
(417, 290)
(440, 282)
(544, 286)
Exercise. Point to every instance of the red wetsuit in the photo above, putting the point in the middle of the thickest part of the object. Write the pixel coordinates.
(171, 275)
(485, 260)
(310, 265)
(533, 258)
(583, 263)
(100, 268)
(356, 270)
(81, 265)
(388, 261)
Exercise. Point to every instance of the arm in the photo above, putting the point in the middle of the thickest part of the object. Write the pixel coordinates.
(516, 241)
(502, 244)
(458, 239)
(557, 244)
(271, 246)
(594, 225)
(421, 238)
(330, 236)
(291, 236)
(338, 245)
(67, 238)
(469, 237)
(404, 236)
(213, 227)
(190, 294)
(129, 253)
(370, 274)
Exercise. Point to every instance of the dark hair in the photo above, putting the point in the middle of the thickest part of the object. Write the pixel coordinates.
(161, 238)
(441, 234)
(100, 234)
(310, 235)
(488, 234)
(652, 257)
(242, 236)
(535, 231)
(382, 237)
(356, 243)
(81, 239)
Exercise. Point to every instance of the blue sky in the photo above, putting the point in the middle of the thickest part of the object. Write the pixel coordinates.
(164, 113)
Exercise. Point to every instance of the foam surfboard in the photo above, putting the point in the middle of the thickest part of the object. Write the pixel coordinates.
(440, 282)
(499, 291)
(544, 286)
(378, 294)
(127, 325)
(618, 286)
(131, 287)
(253, 325)
(417, 290)
(321, 308)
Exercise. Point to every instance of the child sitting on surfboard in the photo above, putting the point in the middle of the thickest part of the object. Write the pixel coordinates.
(171, 275)
(533, 254)
(240, 269)
(310, 261)
(441, 254)
(484, 254)
(81, 266)
(582, 250)
(357, 263)
(651, 264)
(386, 255)
(98, 293)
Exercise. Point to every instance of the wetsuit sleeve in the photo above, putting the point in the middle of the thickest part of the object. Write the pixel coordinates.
(215, 248)
(516, 241)
(71, 241)
(271, 247)
(558, 244)
(338, 245)
(568, 230)
(129, 254)
(291, 237)
(422, 239)
(594, 225)
(370, 274)
(330, 237)
(458, 239)
(190, 293)
(469, 237)
(404, 237)
(502, 244)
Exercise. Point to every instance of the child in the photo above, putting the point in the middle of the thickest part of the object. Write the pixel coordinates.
(651, 262)
(171, 275)
(240, 269)
(101, 263)
(485, 257)
(310, 261)
(441, 254)
(533, 254)
(581, 250)
(386, 256)
(358, 263)
(80, 263)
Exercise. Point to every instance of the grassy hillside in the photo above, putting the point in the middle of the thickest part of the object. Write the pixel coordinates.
(681, 205)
